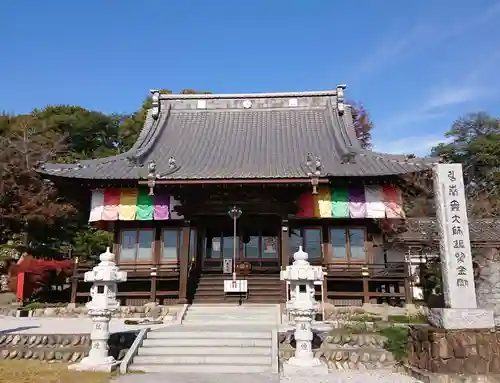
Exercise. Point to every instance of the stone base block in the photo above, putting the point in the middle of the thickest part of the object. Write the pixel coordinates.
(300, 367)
(88, 365)
(456, 319)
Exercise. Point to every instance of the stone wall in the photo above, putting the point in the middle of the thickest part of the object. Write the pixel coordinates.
(147, 311)
(64, 348)
(488, 279)
(342, 351)
(454, 351)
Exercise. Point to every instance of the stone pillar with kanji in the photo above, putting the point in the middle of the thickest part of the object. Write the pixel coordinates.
(103, 304)
(460, 311)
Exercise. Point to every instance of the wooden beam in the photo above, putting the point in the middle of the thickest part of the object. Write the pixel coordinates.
(237, 181)
(184, 263)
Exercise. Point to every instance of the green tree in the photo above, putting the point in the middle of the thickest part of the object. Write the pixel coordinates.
(475, 143)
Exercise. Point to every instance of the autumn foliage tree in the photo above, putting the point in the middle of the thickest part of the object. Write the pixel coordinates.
(362, 125)
(28, 204)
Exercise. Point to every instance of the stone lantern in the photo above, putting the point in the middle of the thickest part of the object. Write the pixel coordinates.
(303, 308)
(102, 305)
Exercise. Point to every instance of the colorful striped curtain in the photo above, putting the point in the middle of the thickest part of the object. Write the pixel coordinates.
(128, 203)
(357, 201)
(393, 201)
(111, 204)
(324, 202)
(145, 206)
(305, 203)
(96, 205)
(340, 203)
(131, 204)
(162, 207)
(375, 207)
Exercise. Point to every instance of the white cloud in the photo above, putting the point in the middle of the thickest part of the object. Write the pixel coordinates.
(450, 96)
(423, 36)
(418, 145)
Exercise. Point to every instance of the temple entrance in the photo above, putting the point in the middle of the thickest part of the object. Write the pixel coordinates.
(256, 242)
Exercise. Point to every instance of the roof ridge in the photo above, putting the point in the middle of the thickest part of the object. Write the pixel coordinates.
(319, 93)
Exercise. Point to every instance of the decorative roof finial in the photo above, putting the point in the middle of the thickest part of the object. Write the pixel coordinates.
(155, 98)
(340, 98)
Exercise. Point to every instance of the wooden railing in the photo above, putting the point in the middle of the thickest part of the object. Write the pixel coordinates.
(387, 271)
(387, 282)
(138, 272)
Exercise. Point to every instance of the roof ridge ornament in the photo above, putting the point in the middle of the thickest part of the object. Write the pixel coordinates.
(340, 98)
(155, 98)
(314, 168)
(151, 176)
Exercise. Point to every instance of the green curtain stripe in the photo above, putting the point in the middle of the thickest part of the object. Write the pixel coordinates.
(340, 203)
(145, 205)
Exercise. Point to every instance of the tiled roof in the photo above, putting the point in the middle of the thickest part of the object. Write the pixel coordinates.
(244, 137)
(423, 229)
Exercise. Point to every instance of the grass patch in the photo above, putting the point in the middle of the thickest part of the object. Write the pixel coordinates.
(397, 341)
(409, 319)
(365, 318)
(28, 371)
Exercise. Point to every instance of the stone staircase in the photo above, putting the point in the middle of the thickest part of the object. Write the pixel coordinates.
(232, 315)
(214, 339)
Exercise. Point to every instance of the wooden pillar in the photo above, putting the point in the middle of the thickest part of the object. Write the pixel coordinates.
(285, 252)
(408, 292)
(285, 243)
(155, 264)
(116, 240)
(74, 281)
(184, 263)
(366, 291)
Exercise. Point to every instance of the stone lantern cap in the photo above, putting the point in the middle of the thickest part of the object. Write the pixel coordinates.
(302, 270)
(106, 270)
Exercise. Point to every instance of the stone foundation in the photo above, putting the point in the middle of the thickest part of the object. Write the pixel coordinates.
(454, 351)
(343, 351)
(488, 279)
(63, 348)
(129, 312)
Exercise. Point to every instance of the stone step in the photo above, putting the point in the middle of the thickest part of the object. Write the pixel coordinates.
(234, 309)
(201, 350)
(207, 342)
(239, 314)
(228, 322)
(202, 368)
(222, 299)
(252, 360)
(209, 335)
(250, 306)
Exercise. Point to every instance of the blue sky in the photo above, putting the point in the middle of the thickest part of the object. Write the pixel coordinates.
(416, 66)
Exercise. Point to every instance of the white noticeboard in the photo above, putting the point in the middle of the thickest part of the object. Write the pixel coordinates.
(453, 227)
(238, 286)
(227, 266)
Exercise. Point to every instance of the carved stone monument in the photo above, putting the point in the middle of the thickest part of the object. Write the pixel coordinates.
(103, 304)
(303, 307)
(459, 291)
